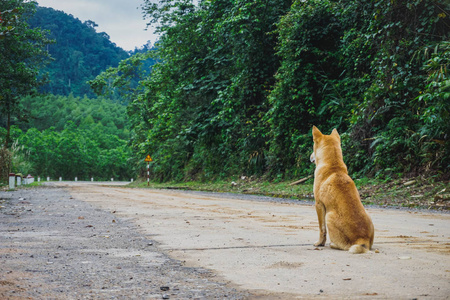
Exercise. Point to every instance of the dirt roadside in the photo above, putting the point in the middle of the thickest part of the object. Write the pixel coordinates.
(262, 247)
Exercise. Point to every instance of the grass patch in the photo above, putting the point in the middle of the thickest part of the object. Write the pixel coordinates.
(419, 192)
(241, 185)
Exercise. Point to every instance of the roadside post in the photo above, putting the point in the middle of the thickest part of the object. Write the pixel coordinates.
(29, 179)
(12, 180)
(148, 159)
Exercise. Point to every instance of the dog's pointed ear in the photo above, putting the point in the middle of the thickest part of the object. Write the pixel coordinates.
(316, 133)
(335, 133)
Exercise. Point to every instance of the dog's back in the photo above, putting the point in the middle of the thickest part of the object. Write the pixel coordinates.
(349, 225)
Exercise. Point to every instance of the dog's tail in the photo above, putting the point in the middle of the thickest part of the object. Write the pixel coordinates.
(356, 249)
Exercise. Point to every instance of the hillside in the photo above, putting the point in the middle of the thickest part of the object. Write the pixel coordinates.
(79, 52)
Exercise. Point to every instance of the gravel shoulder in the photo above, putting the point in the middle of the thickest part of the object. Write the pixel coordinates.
(54, 246)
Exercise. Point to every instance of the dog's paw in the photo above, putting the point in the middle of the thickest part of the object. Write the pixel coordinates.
(319, 244)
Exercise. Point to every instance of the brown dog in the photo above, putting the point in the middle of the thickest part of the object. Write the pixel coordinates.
(338, 204)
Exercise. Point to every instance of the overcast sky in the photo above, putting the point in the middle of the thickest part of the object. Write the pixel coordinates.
(122, 20)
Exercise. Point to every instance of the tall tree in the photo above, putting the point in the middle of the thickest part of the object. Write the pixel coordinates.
(22, 53)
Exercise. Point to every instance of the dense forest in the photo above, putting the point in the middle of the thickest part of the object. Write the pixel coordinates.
(79, 52)
(73, 137)
(234, 87)
(239, 84)
(56, 111)
(68, 132)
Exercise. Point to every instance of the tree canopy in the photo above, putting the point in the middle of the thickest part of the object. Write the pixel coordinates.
(72, 137)
(22, 54)
(79, 52)
(239, 84)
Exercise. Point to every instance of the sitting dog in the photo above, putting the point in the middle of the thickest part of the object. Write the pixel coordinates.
(338, 204)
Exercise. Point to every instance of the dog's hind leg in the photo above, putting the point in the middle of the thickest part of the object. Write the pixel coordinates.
(338, 239)
(334, 246)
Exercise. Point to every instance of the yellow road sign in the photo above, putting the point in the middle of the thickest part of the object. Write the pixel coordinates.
(148, 158)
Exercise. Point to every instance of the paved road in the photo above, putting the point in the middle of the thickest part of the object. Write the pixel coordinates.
(54, 246)
(265, 247)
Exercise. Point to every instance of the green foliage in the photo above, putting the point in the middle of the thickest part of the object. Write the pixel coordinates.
(238, 85)
(72, 137)
(305, 93)
(74, 152)
(389, 119)
(202, 108)
(79, 54)
(434, 107)
(54, 135)
(98, 115)
(5, 163)
(124, 81)
(22, 53)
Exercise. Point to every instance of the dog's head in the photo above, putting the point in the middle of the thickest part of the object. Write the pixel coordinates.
(322, 142)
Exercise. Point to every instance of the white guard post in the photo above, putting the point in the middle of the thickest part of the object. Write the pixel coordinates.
(12, 181)
(29, 179)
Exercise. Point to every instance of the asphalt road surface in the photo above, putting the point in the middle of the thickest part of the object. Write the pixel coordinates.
(256, 247)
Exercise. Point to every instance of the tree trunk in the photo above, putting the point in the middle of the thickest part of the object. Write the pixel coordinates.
(8, 126)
